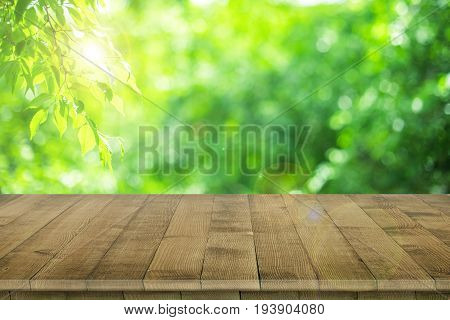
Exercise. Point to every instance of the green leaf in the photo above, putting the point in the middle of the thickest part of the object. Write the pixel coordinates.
(87, 138)
(50, 82)
(118, 104)
(59, 14)
(39, 118)
(12, 74)
(29, 81)
(79, 105)
(43, 48)
(105, 152)
(57, 75)
(19, 47)
(106, 89)
(6, 48)
(60, 118)
(20, 8)
(75, 15)
(30, 15)
(122, 149)
(27, 75)
(5, 67)
(42, 100)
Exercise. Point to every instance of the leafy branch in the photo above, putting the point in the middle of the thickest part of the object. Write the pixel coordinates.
(57, 53)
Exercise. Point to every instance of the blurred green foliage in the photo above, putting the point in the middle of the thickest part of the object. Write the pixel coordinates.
(381, 127)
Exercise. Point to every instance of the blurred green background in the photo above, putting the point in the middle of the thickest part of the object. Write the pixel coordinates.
(382, 127)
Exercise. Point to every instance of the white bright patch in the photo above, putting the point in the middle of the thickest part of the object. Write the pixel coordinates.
(94, 53)
(309, 3)
(203, 3)
(304, 3)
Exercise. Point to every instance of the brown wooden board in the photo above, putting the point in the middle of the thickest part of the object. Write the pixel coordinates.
(305, 246)
(335, 262)
(72, 266)
(393, 268)
(178, 261)
(24, 261)
(230, 259)
(125, 263)
(282, 259)
(421, 245)
(433, 219)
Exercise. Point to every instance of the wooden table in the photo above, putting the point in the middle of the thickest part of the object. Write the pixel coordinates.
(224, 246)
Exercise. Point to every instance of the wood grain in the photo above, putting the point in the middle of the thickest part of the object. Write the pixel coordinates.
(282, 260)
(6, 198)
(438, 201)
(327, 295)
(210, 295)
(22, 263)
(335, 262)
(222, 295)
(269, 295)
(387, 295)
(178, 261)
(71, 267)
(35, 213)
(126, 262)
(229, 246)
(434, 220)
(95, 295)
(230, 259)
(11, 210)
(152, 295)
(424, 248)
(42, 295)
(5, 295)
(393, 268)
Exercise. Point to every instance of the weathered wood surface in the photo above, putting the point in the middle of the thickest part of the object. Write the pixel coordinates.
(222, 295)
(191, 246)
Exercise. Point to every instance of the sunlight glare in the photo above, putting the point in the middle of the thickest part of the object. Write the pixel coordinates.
(94, 52)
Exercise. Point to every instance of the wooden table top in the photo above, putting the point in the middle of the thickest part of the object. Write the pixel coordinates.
(225, 242)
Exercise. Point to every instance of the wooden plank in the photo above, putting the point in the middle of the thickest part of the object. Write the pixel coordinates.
(431, 218)
(222, 295)
(177, 264)
(224, 244)
(387, 295)
(14, 209)
(393, 268)
(384, 213)
(328, 295)
(152, 295)
(38, 213)
(335, 262)
(210, 295)
(41, 295)
(282, 260)
(6, 198)
(230, 263)
(95, 295)
(70, 268)
(426, 250)
(231, 215)
(124, 265)
(192, 217)
(269, 295)
(421, 295)
(438, 201)
(230, 259)
(22, 263)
